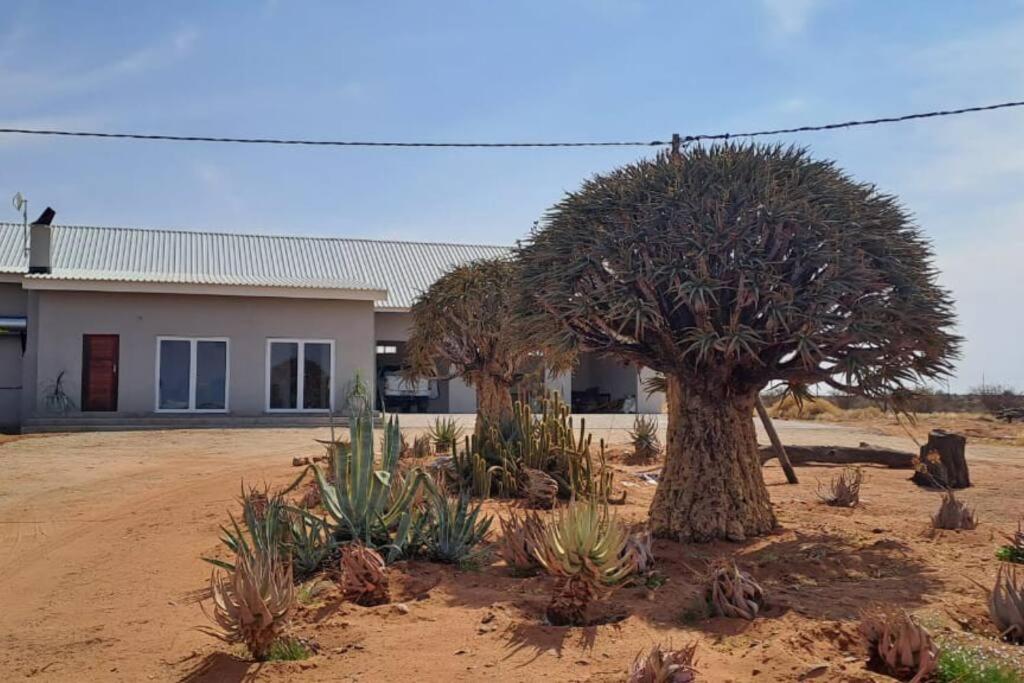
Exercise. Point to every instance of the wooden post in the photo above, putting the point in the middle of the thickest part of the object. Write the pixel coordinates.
(943, 457)
(780, 450)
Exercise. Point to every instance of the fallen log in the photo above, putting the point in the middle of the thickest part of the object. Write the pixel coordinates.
(843, 455)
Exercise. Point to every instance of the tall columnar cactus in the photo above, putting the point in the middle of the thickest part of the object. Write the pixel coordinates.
(360, 500)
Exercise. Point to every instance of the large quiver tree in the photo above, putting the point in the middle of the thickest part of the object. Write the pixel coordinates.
(463, 326)
(728, 268)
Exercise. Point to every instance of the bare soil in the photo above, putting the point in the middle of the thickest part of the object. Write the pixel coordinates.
(101, 535)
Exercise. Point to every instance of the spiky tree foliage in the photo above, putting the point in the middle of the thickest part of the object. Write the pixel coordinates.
(728, 268)
(464, 321)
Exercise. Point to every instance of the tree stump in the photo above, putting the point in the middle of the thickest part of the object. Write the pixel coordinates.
(944, 461)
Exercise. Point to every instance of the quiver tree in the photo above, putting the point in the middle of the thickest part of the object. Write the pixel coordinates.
(463, 325)
(727, 268)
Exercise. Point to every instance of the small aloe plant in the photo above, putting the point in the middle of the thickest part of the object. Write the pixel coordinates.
(456, 529)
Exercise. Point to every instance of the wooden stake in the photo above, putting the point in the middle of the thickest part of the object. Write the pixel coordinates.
(780, 450)
(676, 144)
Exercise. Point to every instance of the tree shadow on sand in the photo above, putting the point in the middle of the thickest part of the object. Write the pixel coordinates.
(543, 638)
(221, 667)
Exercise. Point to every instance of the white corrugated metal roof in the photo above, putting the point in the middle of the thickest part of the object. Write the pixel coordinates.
(404, 269)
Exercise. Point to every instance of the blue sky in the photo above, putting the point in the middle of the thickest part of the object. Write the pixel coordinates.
(572, 70)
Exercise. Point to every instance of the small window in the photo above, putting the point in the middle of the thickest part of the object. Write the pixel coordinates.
(386, 349)
(192, 374)
(300, 374)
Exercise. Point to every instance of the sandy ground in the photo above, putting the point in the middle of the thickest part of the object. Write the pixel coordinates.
(101, 534)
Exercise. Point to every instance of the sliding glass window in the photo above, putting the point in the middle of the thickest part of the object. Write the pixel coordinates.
(192, 374)
(300, 374)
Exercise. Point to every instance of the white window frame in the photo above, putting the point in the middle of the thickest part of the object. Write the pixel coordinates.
(193, 344)
(301, 384)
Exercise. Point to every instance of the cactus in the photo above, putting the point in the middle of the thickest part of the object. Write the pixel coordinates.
(898, 646)
(954, 514)
(1006, 604)
(665, 665)
(364, 576)
(844, 489)
(733, 593)
(583, 545)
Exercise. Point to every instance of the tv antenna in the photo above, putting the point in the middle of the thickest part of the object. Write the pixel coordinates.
(21, 204)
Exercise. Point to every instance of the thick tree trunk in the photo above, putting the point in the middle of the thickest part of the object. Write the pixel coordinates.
(493, 402)
(711, 485)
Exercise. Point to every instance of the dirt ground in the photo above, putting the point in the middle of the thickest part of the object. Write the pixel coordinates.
(101, 535)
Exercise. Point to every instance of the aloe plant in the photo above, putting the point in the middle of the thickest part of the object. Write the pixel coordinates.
(264, 526)
(456, 529)
(311, 542)
(366, 500)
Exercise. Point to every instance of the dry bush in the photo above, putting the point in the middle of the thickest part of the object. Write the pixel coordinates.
(1006, 604)
(253, 602)
(520, 536)
(734, 593)
(539, 489)
(639, 548)
(787, 408)
(659, 665)
(954, 514)
(364, 576)
(898, 646)
(844, 489)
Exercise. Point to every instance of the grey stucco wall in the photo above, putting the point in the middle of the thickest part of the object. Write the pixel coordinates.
(13, 302)
(63, 317)
(392, 326)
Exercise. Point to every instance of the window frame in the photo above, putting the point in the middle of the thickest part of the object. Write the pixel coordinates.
(192, 379)
(301, 379)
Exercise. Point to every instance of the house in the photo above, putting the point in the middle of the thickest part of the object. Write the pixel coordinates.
(125, 327)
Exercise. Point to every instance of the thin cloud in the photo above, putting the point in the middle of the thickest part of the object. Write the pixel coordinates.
(790, 17)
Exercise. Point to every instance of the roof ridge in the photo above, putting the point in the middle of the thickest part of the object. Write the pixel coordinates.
(183, 231)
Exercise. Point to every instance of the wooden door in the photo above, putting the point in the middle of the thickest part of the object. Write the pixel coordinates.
(99, 371)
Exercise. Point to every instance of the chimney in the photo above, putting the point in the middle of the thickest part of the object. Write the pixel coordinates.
(39, 243)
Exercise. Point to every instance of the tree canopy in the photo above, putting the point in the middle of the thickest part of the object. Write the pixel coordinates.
(748, 264)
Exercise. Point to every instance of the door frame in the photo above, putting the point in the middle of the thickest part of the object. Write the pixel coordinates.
(86, 361)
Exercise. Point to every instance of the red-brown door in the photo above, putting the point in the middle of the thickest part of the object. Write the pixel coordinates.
(99, 371)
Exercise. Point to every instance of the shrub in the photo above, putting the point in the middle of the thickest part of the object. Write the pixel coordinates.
(789, 407)
(898, 646)
(1014, 550)
(959, 664)
(954, 514)
(667, 665)
(844, 489)
(584, 545)
(288, 650)
(734, 593)
(253, 601)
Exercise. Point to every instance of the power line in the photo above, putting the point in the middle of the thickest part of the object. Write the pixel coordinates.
(626, 143)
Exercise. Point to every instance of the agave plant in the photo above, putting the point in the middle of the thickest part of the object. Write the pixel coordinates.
(520, 536)
(367, 501)
(253, 601)
(422, 447)
(455, 530)
(445, 434)
(954, 514)
(898, 646)
(311, 542)
(667, 665)
(584, 545)
(844, 489)
(1013, 551)
(364, 575)
(1006, 604)
(734, 593)
(644, 436)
